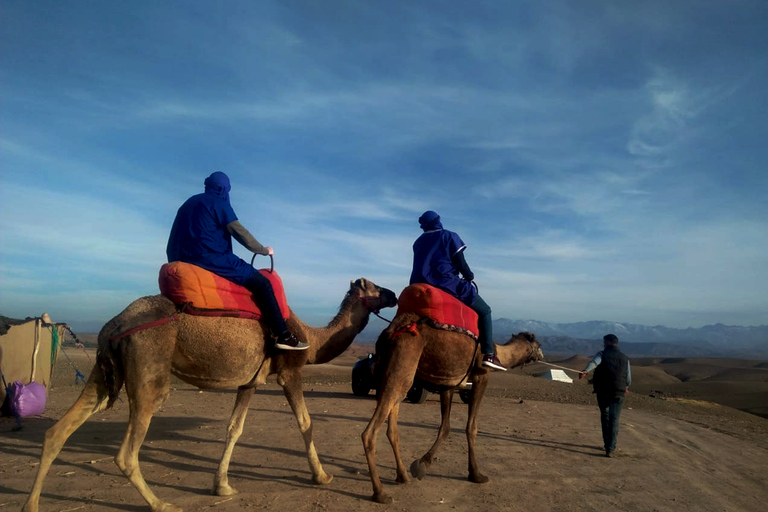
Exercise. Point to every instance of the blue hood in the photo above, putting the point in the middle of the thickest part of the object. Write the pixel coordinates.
(217, 184)
(430, 220)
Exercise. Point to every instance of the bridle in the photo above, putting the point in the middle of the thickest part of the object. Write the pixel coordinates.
(372, 309)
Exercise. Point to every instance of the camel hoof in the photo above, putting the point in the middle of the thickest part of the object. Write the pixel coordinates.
(29, 507)
(383, 498)
(478, 478)
(168, 507)
(418, 469)
(402, 479)
(323, 479)
(224, 490)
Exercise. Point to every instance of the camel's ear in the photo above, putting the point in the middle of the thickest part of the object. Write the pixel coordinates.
(360, 283)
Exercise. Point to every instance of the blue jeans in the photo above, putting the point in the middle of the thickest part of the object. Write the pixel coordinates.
(484, 324)
(264, 297)
(610, 410)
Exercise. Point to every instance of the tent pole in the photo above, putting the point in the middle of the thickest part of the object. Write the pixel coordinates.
(38, 326)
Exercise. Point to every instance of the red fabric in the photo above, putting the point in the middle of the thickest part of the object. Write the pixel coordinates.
(186, 283)
(147, 325)
(431, 302)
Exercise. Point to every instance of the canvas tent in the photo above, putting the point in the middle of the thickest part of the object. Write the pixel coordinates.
(557, 375)
(28, 350)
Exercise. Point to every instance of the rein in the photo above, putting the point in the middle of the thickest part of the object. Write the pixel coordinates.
(373, 310)
(561, 367)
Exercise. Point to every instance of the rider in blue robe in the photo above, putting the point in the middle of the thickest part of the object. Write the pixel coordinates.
(202, 235)
(438, 260)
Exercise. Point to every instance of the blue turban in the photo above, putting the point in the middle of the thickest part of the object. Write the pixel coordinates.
(430, 220)
(218, 185)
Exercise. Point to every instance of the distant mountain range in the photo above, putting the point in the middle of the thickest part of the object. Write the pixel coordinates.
(585, 338)
(716, 340)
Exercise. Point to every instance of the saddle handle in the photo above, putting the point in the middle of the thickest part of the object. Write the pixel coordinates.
(271, 262)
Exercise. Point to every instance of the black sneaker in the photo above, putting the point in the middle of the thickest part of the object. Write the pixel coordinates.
(491, 361)
(288, 341)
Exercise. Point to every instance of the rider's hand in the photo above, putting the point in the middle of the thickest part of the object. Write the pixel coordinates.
(582, 374)
(270, 251)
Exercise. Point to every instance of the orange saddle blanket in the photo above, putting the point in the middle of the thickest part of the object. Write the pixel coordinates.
(442, 307)
(185, 283)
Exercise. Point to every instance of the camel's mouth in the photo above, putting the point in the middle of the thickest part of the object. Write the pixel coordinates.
(388, 298)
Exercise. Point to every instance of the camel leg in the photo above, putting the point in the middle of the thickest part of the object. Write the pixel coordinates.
(234, 430)
(147, 388)
(385, 402)
(393, 434)
(479, 384)
(419, 466)
(292, 387)
(92, 399)
(396, 381)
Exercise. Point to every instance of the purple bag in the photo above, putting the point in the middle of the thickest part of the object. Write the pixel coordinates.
(27, 400)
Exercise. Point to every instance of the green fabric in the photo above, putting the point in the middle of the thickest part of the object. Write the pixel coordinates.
(54, 343)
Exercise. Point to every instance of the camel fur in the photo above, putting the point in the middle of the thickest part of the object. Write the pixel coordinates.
(444, 360)
(213, 353)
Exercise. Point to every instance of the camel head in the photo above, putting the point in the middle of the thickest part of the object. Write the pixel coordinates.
(522, 348)
(536, 353)
(375, 298)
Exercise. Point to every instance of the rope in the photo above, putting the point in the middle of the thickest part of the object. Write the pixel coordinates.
(372, 310)
(78, 344)
(561, 367)
(78, 374)
(378, 315)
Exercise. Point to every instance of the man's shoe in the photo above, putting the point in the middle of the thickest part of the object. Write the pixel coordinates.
(288, 341)
(491, 361)
(608, 452)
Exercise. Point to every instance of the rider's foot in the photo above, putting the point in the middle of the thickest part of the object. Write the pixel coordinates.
(491, 361)
(287, 341)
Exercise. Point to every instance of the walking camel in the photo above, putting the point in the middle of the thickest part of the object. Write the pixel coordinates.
(445, 360)
(210, 353)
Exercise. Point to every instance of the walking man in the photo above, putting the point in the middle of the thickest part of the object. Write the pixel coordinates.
(611, 383)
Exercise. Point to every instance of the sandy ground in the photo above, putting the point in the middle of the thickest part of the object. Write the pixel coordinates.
(539, 442)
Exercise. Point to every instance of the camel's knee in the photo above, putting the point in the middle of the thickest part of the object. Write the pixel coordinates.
(369, 440)
(234, 431)
(126, 464)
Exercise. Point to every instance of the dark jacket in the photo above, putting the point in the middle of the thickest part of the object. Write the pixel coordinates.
(611, 375)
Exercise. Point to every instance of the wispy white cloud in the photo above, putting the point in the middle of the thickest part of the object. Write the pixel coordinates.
(592, 174)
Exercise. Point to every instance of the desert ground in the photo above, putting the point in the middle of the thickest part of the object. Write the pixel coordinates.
(683, 445)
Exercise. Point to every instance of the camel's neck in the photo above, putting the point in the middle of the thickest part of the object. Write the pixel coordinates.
(515, 353)
(330, 341)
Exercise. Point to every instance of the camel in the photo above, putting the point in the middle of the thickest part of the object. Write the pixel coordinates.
(208, 352)
(444, 360)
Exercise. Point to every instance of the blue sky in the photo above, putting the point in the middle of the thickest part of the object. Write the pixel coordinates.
(602, 160)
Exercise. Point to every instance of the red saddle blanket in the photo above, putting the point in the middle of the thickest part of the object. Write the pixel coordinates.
(185, 283)
(442, 307)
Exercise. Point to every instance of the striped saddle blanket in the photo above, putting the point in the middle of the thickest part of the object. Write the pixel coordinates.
(212, 295)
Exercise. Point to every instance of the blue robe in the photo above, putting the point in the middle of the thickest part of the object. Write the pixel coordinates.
(199, 236)
(433, 254)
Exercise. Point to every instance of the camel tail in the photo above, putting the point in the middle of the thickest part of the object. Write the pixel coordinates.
(110, 361)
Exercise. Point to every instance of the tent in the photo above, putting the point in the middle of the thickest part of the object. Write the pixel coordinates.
(557, 375)
(28, 350)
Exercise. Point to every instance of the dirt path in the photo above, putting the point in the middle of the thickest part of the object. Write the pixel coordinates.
(540, 455)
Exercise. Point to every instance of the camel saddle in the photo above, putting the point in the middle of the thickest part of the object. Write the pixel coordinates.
(443, 309)
(204, 293)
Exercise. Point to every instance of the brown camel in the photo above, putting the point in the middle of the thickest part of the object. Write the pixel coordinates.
(444, 360)
(210, 353)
